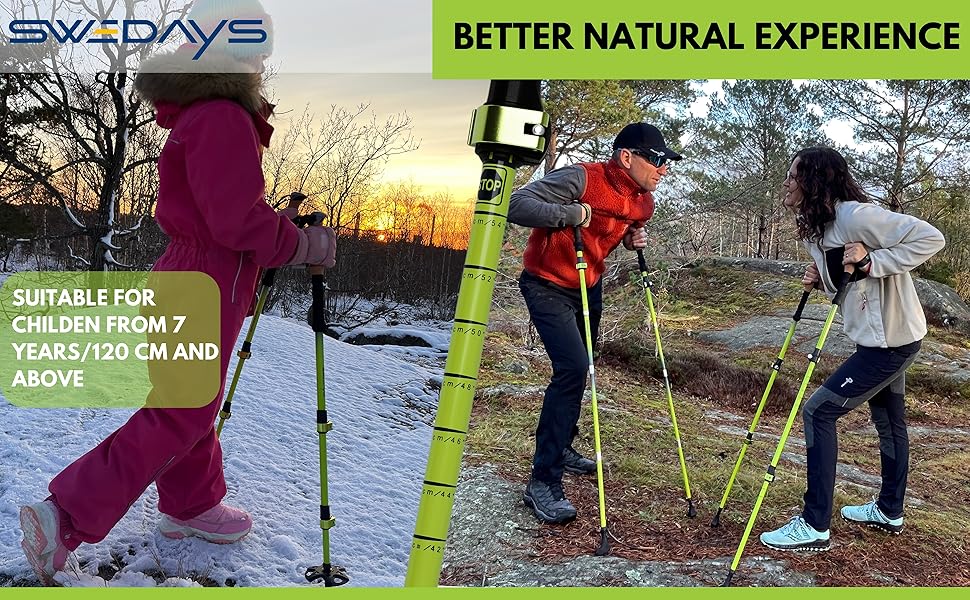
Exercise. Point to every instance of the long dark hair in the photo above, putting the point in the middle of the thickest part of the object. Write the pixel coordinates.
(824, 178)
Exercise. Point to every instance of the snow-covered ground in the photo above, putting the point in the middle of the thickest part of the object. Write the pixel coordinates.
(381, 402)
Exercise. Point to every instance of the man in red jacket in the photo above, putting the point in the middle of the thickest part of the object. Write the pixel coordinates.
(611, 201)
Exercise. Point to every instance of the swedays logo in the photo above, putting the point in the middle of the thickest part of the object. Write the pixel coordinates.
(133, 31)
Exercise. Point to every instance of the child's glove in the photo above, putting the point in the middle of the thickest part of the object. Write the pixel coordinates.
(317, 246)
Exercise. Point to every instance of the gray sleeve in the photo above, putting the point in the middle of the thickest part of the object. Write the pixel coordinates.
(898, 243)
(552, 201)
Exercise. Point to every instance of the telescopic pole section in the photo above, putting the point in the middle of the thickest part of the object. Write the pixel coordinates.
(508, 131)
(265, 286)
(775, 369)
(770, 473)
(648, 288)
(604, 547)
(331, 575)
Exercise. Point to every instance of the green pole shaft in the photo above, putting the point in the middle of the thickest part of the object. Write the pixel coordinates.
(581, 267)
(770, 472)
(775, 369)
(461, 375)
(244, 353)
(648, 288)
(326, 521)
(757, 417)
(318, 322)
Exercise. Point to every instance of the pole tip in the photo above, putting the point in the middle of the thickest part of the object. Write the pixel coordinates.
(716, 521)
(727, 580)
(691, 511)
(604, 548)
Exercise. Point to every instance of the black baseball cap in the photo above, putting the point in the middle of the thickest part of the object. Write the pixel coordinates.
(645, 138)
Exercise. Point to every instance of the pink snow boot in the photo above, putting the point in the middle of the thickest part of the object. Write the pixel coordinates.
(42, 544)
(220, 524)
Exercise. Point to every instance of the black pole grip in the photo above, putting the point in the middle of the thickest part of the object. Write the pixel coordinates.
(269, 277)
(642, 261)
(317, 320)
(578, 238)
(801, 306)
(314, 218)
(843, 285)
(515, 93)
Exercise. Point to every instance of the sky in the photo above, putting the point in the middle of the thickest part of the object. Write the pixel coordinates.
(440, 110)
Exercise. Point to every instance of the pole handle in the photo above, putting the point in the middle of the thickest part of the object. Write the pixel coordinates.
(578, 238)
(801, 305)
(843, 285)
(642, 261)
(295, 200)
(317, 318)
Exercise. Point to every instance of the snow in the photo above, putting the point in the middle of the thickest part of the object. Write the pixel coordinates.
(381, 404)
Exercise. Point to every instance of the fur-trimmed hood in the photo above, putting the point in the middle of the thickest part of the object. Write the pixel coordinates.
(176, 79)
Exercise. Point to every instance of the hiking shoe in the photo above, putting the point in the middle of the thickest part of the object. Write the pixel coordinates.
(42, 545)
(576, 463)
(796, 534)
(870, 514)
(548, 502)
(220, 524)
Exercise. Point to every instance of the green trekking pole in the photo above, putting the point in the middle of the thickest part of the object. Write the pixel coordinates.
(775, 369)
(604, 547)
(770, 473)
(648, 288)
(331, 575)
(508, 131)
(265, 286)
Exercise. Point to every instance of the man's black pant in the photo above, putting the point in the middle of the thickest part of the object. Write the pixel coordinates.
(557, 314)
(876, 376)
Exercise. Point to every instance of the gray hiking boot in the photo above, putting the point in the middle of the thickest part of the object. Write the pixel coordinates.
(576, 463)
(870, 514)
(548, 502)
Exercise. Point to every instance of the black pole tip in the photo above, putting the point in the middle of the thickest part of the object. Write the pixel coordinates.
(691, 511)
(331, 575)
(604, 548)
(727, 580)
(716, 521)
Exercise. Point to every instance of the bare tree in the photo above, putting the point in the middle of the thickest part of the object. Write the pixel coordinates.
(94, 135)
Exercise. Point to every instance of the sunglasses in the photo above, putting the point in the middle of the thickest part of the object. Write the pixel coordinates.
(654, 159)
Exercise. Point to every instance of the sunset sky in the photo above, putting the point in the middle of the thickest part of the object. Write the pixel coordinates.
(440, 111)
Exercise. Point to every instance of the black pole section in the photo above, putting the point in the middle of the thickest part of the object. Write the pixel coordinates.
(801, 306)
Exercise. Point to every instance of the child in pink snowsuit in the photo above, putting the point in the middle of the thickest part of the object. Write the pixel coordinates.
(211, 205)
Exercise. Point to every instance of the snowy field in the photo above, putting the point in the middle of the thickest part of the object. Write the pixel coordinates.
(381, 400)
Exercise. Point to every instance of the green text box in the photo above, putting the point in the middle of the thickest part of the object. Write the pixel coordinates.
(731, 42)
(109, 340)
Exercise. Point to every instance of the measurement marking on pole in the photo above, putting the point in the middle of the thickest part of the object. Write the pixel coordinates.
(459, 431)
(457, 376)
(481, 268)
(435, 483)
(470, 322)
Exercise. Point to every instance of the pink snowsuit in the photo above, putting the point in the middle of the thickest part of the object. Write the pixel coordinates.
(211, 205)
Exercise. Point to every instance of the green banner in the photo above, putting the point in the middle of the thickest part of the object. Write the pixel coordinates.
(824, 39)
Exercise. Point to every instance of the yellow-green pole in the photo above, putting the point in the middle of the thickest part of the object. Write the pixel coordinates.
(648, 288)
(330, 574)
(246, 351)
(604, 547)
(770, 473)
(269, 277)
(775, 369)
(508, 131)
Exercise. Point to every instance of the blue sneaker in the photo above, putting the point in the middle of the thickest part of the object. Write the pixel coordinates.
(796, 534)
(871, 515)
